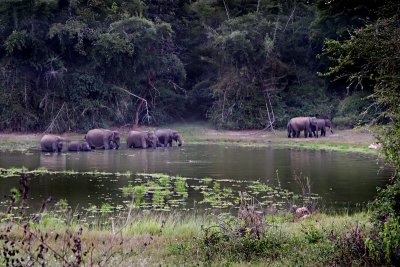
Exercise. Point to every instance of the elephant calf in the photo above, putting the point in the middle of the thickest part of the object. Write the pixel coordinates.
(137, 139)
(78, 146)
(51, 143)
(166, 136)
(103, 139)
(321, 124)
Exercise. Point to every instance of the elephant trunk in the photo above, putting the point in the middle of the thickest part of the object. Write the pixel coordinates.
(179, 140)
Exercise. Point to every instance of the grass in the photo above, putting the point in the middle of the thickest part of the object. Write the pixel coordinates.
(177, 239)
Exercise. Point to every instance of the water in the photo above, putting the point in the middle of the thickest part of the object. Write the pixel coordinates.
(342, 180)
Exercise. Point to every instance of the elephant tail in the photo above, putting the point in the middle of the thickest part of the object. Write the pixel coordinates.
(289, 129)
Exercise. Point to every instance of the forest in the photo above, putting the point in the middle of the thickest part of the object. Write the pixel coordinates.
(72, 65)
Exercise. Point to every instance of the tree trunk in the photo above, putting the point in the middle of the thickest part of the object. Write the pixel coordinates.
(136, 121)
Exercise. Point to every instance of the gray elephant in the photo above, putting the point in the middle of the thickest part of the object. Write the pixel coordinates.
(321, 124)
(52, 143)
(137, 139)
(103, 139)
(78, 146)
(298, 124)
(166, 136)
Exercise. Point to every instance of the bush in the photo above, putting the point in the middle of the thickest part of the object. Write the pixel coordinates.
(353, 110)
(344, 122)
(385, 244)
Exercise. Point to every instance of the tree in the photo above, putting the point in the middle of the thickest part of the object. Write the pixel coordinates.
(370, 58)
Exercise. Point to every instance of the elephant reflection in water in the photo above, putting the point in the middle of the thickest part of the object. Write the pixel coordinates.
(53, 161)
(142, 160)
(106, 160)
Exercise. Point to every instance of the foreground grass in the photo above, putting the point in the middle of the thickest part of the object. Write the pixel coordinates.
(355, 140)
(155, 239)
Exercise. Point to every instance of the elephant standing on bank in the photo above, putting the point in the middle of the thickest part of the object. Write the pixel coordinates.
(166, 136)
(321, 124)
(298, 124)
(103, 139)
(138, 139)
(52, 143)
(78, 146)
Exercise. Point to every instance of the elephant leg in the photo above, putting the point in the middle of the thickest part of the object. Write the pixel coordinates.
(106, 143)
(298, 134)
(144, 143)
(54, 147)
(165, 142)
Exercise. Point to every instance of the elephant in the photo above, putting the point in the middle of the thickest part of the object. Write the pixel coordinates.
(52, 143)
(321, 124)
(103, 139)
(166, 136)
(78, 146)
(298, 124)
(138, 139)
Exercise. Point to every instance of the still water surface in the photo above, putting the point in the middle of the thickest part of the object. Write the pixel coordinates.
(343, 180)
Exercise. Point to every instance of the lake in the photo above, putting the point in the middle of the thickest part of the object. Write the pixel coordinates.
(339, 180)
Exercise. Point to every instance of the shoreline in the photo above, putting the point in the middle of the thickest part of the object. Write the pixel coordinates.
(350, 140)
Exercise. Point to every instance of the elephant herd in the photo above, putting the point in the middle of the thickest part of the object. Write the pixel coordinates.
(310, 126)
(107, 139)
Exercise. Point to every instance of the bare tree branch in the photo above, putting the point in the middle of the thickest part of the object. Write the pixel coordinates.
(141, 98)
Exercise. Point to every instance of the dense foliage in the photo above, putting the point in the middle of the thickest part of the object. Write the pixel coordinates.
(77, 64)
(370, 58)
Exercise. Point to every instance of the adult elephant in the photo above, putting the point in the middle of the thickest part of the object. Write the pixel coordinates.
(52, 143)
(321, 124)
(137, 139)
(78, 146)
(103, 139)
(298, 124)
(166, 136)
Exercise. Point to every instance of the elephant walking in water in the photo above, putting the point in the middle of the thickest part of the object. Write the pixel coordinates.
(298, 124)
(78, 146)
(321, 124)
(166, 136)
(52, 143)
(103, 139)
(137, 139)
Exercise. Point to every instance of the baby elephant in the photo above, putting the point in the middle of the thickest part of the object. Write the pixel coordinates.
(166, 136)
(51, 143)
(78, 146)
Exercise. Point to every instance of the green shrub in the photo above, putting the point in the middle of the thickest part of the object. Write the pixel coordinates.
(341, 122)
(354, 109)
(384, 246)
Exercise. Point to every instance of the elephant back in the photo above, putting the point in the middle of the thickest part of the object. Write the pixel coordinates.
(95, 137)
(51, 143)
